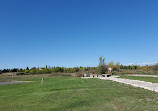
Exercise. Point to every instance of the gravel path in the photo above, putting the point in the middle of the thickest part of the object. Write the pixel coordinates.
(144, 75)
(136, 83)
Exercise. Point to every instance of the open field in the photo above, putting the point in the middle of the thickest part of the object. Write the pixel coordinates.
(147, 79)
(8, 77)
(72, 93)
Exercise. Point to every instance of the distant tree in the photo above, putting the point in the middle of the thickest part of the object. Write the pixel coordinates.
(33, 71)
(87, 69)
(136, 67)
(101, 67)
(49, 67)
(121, 66)
(14, 70)
(27, 68)
(111, 64)
(117, 66)
(46, 66)
(6, 70)
(66, 70)
(58, 69)
(26, 71)
(129, 67)
(125, 67)
(47, 70)
(33, 68)
(21, 70)
(155, 67)
(81, 69)
(76, 69)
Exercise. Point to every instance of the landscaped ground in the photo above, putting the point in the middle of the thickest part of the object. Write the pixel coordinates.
(147, 79)
(72, 93)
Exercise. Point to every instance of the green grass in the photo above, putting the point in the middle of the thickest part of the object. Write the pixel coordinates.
(4, 77)
(147, 79)
(76, 94)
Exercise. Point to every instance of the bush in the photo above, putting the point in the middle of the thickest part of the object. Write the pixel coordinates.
(33, 71)
(26, 71)
(79, 75)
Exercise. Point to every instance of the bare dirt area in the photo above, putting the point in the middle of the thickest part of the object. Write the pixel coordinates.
(13, 82)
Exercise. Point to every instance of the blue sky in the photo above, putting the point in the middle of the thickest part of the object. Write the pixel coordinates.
(77, 32)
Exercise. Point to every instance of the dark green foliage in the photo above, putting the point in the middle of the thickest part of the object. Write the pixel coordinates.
(27, 68)
(155, 67)
(21, 70)
(101, 67)
(33, 71)
(116, 67)
(121, 66)
(37, 71)
(57, 69)
(5, 70)
(130, 67)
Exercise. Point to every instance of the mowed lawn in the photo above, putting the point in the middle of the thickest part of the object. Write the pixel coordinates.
(147, 79)
(76, 94)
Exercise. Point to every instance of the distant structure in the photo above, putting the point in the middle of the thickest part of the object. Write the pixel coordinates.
(41, 68)
(95, 75)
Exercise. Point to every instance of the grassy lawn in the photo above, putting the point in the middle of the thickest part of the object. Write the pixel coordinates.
(76, 94)
(147, 79)
(29, 77)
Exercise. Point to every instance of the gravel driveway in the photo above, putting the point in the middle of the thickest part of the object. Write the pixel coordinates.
(144, 75)
(136, 83)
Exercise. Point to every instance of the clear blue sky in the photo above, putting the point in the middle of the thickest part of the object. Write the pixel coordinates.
(77, 32)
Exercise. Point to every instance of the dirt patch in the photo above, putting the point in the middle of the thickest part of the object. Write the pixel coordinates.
(13, 82)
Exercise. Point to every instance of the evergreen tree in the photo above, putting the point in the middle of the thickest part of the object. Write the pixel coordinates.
(27, 68)
(101, 67)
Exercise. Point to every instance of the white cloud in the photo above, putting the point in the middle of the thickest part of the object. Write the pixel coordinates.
(147, 63)
(143, 64)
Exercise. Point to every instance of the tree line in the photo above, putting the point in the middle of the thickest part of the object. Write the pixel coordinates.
(46, 69)
(102, 68)
(117, 68)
